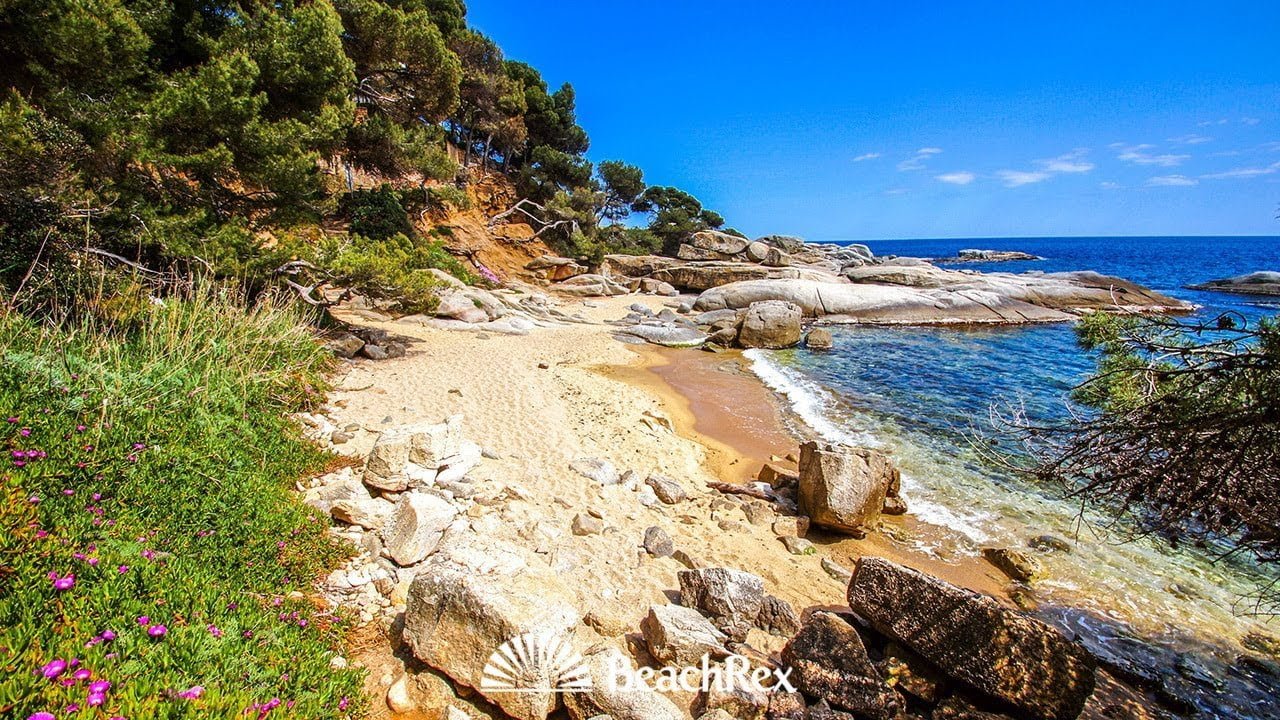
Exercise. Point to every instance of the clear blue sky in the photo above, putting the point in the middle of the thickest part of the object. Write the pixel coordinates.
(901, 119)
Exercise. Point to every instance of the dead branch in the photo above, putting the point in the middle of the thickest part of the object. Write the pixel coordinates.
(731, 489)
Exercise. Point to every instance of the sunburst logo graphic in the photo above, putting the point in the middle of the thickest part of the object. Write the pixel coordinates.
(535, 663)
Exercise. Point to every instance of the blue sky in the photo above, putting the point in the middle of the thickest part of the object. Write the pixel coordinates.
(900, 119)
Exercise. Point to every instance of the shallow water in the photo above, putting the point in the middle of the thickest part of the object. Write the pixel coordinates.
(928, 395)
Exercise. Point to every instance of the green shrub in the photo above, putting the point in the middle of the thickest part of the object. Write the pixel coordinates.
(146, 485)
(393, 269)
(376, 214)
(442, 197)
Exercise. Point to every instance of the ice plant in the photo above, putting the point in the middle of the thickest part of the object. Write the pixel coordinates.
(65, 582)
(53, 668)
(157, 631)
(192, 693)
(39, 715)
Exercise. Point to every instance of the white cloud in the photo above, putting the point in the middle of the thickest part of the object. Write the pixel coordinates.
(918, 159)
(1140, 155)
(1243, 172)
(1171, 181)
(1108, 185)
(1250, 120)
(1072, 162)
(1208, 123)
(867, 156)
(962, 177)
(1191, 139)
(1017, 178)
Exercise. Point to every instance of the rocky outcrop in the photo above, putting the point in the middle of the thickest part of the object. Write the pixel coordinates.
(973, 255)
(829, 662)
(844, 488)
(1014, 563)
(785, 243)
(770, 324)
(999, 652)
(732, 599)
(416, 526)
(1257, 283)
(555, 269)
(613, 695)
(678, 635)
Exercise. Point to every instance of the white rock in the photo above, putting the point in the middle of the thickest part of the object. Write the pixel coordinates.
(369, 513)
(456, 467)
(385, 466)
(398, 698)
(602, 471)
(605, 697)
(416, 527)
(433, 443)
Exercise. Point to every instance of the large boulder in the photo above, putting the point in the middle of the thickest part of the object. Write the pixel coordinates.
(785, 243)
(731, 598)
(634, 266)
(476, 598)
(719, 242)
(697, 277)
(416, 526)
(1000, 652)
(678, 635)
(591, 285)
(550, 267)
(1257, 283)
(843, 488)
(770, 324)
(615, 693)
(829, 662)
(666, 335)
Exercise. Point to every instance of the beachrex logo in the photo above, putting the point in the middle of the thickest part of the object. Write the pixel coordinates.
(545, 663)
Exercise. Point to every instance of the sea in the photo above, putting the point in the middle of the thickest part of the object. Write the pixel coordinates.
(1180, 620)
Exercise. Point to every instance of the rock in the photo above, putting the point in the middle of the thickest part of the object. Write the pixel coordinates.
(731, 598)
(687, 560)
(398, 698)
(345, 345)
(635, 266)
(339, 437)
(773, 475)
(475, 597)
(909, 673)
(416, 527)
(794, 525)
(785, 243)
(1017, 565)
(718, 242)
(797, 545)
(828, 661)
(775, 258)
(681, 636)
(696, 277)
(838, 572)
(787, 706)
(770, 324)
(340, 485)
(736, 699)
(1049, 543)
(757, 512)
(374, 352)
(894, 506)
(587, 525)
(368, 513)
(724, 337)
(657, 542)
(384, 468)
(555, 269)
(602, 471)
(819, 339)
(1258, 283)
(613, 694)
(757, 252)
(460, 304)
(1000, 652)
(843, 488)
(957, 708)
(716, 714)
(436, 444)
(666, 335)
(592, 286)
(657, 287)
(778, 617)
(668, 490)
(971, 255)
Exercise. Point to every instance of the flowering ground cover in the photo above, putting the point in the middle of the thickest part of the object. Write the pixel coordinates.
(153, 562)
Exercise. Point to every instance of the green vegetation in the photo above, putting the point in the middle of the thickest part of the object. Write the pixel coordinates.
(1185, 437)
(150, 539)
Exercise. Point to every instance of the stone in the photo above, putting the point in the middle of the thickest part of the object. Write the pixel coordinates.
(736, 699)
(998, 651)
(838, 572)
(687, 560)
(368, 513)
(384, 468)
(778, 617)
(1257, 283)
(666, 335)
(771, 324)
(1017, 565)
(681, 636)
(612, 694)
(757, 513)
(339, 485)
(374, 352)
(436, 444)
(398, 697)
(339, 437)
(771, 474)
(909, 673)
(757, 252)
(785, 243)
(657, 287)
(797, 545)
(716, 714)
(587, 525)
(458, 304)
(719, 242)
(657, 542)
(775, 258)
(819, 339)
(345, 345)
(416, 526)
(958, 708)
(669, 490)
(473, 598)
(785, 705)
(829, 662)
(602, 471)
(454, 468)
(894, 506)
(555, 269)
(793, 525)
(591, 285)
(731, 598)
(843, 488)
(1049, 543)
(724, 337)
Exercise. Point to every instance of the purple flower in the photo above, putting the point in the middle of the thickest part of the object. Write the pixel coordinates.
(344, 702)
(95, 699)
(107, 635)
(148, 554)
(192, 693)
(144, 620)
(122, 569)
(53, 669)
(64, 583)
(40, 715)
(99, 686)
(25, 432)
(82, 674)
(34, 499)
(13, 420)
(215, 631)
(157, 631)
(139, 446)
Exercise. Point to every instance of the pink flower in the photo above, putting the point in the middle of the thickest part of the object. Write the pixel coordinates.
(64, 583)
(215, 631)
(34, 499)
(192, 693)
(39, 715)
(53, 669)
(122, 569)
(95, 699)
(144, 620)
(148, 554)
(99, 686)
(157, 631)
(344, 702)
(25, 432)
(107, 635)
(82, 674)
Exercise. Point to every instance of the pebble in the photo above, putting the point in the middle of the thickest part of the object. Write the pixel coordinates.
(587, 525)
(836, 571)
(798, 546)
(657, 542)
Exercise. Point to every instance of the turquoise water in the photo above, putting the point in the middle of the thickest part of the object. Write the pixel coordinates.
(930, 395)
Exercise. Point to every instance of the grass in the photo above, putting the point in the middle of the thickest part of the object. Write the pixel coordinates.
(149, 461)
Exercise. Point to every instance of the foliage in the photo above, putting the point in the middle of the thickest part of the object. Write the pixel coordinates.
(676, 215)
(441, 197)
(376, 214)
(1185, 435)
(159, 556)
(392, 269)
(622, 184)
